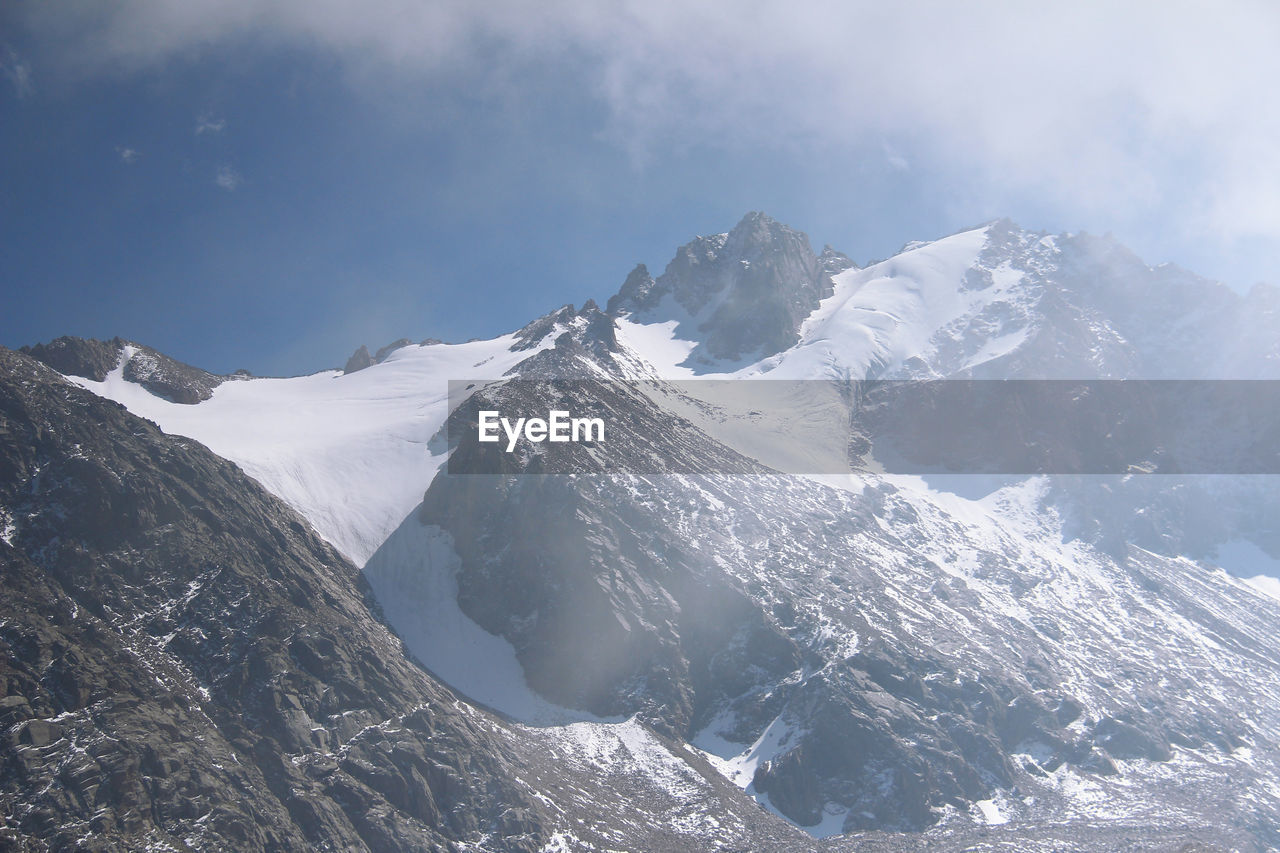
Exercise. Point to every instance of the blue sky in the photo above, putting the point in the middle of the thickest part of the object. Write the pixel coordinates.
(269, 185)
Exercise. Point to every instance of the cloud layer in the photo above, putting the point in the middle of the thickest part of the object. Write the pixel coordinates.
(1143, 111)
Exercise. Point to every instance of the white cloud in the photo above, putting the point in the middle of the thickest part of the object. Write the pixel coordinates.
(17, 71)
(228, 178)
(1108, 112)
(128, 155)
(895, 159)
(206, 123)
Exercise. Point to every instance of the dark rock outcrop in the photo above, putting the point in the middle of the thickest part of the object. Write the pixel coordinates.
(158, 373)
(92, 359)
(835, 262)
(359, 360)
(533, 333)
(743, 293)
(383, 352)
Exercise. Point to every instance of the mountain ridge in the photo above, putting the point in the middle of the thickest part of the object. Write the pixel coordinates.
(866, 655)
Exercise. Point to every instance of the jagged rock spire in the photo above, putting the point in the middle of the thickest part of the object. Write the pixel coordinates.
(742, 293)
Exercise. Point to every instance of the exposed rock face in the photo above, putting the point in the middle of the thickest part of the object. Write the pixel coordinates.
(183, 657)
(360, 359)
(528, 337)
(638, 638)
(835, 262)
(90, 358)
(158, 373)
(637, 291)
(383, 352)
(745, 292)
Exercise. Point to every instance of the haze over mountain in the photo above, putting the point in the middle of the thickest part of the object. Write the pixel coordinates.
(1054, 662)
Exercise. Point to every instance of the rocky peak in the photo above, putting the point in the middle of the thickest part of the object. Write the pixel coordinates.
(835, 262)
(758, 234)
(72, 356)
(360, 359)
(382, 353)
(532, 334)
(743, 293)
(633, 293)
(161, 375)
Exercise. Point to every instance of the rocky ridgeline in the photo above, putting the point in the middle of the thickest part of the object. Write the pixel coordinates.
(158, 373)
(745, 293)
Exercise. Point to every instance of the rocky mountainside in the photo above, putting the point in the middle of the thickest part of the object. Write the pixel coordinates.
(875, 657)
(187, 666)
(720, 652)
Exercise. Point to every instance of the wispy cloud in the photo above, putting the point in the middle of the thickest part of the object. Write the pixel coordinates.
(895, 159)
(128, 155)
(227, 178)
(17, 71)
(207, 123)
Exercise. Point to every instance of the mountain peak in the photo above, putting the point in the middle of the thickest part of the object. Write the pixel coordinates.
(360, 359)
(741, 293)
(757, 231)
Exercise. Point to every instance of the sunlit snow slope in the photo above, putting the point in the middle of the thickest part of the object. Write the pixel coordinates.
(878, 319)
(352, 452)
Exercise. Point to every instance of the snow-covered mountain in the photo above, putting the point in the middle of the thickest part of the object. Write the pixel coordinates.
(862, 654)
(995, 301)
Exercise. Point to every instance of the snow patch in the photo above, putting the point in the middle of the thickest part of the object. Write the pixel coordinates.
(7, 526)
(628, 747)
(561, 842)
(658, 344)
(990, 812)
(414, 578)
(739, 765)
(831, 823)
(882, 316)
